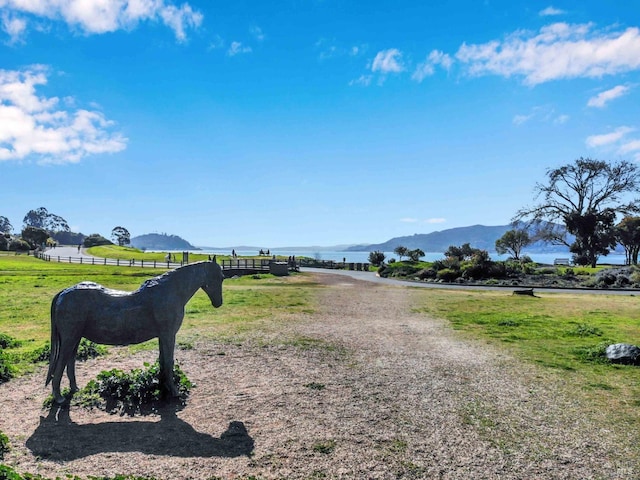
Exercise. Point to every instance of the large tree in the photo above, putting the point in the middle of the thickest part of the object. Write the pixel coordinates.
(584, 197)
(41, 218)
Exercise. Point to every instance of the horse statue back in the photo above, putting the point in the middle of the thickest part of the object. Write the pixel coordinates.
(113, 317)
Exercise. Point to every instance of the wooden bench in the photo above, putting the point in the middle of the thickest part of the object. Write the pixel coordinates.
(561, 261)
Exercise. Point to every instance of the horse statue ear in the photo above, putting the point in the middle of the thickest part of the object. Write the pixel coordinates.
(213, 259)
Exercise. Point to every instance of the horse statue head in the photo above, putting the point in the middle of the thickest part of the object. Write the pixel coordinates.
(213, 282)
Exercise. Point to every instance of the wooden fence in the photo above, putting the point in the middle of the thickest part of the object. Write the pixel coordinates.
(244, 265)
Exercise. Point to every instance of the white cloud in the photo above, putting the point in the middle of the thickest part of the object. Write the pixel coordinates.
(543, 113)
(31, 125)
(362, 80)
(631, 146)
(14, 26)
(557, 51)
(605, 97)
(409, 220)
(551, 11)
(388, 61)
(237, 48)
(436, 220)
(608, 138)
(520, 119)
(101, 16)
(427, 68)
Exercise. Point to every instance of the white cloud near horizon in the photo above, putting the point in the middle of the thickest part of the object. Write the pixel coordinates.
(605, 97)
(100, 16)
(550, 12)
(557, 51)
(31, 125)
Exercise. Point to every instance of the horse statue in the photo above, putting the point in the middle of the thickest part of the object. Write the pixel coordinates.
(114, 317)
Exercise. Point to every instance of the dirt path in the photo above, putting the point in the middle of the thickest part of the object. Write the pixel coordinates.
(368, 390)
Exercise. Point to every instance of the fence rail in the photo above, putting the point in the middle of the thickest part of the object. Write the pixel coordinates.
(109, 261)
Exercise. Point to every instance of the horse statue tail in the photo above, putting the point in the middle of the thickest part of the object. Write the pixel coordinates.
(55, 340)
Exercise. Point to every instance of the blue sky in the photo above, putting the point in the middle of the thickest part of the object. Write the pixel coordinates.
(306, 122)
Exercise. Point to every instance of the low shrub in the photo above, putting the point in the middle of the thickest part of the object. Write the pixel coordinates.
(8, 473)
(138, 391)
(86, 350)
(593, 353)
(4, 446)
(7, 341)
(6, 370)
(584, 330)
(447, 275)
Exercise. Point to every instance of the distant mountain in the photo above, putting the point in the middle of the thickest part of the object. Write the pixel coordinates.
(161, 241)
(478, 236)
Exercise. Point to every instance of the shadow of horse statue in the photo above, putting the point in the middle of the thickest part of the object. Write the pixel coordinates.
(58, 438)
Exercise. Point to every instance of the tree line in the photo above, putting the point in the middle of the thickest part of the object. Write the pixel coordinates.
(41, 228)
(578, 206)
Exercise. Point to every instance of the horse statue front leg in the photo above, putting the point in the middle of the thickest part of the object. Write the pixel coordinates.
(167, 344)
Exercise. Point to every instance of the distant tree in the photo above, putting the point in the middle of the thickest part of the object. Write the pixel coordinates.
(34, 236)
(415, 255)
(121, 236)
(400, 251)
(5, 225)
(94, 240)
(41, 218)
(464, 252)
(585, 196)
(376, 258)
(627, 234)
(512, 242)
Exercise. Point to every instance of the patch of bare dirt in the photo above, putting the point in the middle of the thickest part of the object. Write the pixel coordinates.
(371, 390)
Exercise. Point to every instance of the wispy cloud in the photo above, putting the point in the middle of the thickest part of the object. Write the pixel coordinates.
(100, 16)
(33, 125)
(362, 80)
(617, 141)
(388, 61)
(15, 27)
(557, 51)
(544, 113)
(551, 12)
(605, 97)
(257, 33)
(237, 48)
(427, 68)
(608, 138)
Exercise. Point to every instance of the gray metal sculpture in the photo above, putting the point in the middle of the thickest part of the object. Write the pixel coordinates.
(114, 317)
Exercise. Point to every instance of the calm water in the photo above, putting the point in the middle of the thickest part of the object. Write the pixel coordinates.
(363, 257)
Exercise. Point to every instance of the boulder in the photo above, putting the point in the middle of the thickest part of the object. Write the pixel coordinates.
(623, 353)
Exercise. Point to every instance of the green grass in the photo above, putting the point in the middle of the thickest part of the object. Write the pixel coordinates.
(563, 333)
(251, 304)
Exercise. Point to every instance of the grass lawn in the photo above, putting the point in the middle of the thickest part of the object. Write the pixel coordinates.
(27, 286)
(563, 333)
